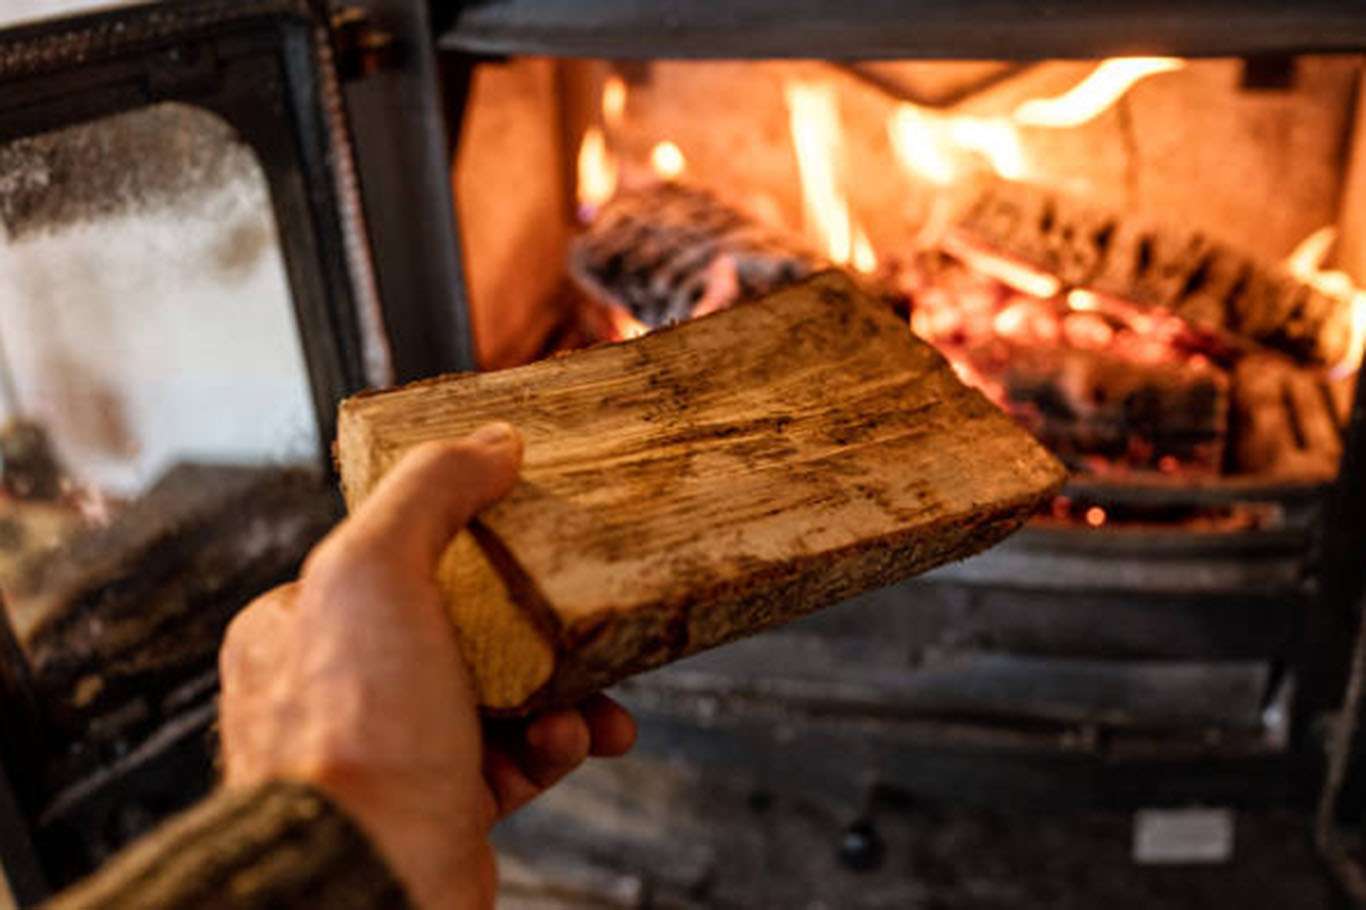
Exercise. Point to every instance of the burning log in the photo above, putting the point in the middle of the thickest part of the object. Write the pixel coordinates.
(1090, 383)
(1081, 404)
(1290, 421)
(1183, 272)
(703, 483)
(668, 252)
(123, 614)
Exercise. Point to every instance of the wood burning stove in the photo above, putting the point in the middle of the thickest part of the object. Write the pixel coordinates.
(1174, 631)
(1214, 577)
(1178, 628)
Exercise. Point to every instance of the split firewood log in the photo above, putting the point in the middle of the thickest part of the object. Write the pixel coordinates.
(1185, 272)
(702, 483)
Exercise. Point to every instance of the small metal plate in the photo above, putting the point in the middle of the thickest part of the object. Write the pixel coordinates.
(1179, 836)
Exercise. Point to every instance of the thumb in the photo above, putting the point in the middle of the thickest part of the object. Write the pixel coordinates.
(433, 492)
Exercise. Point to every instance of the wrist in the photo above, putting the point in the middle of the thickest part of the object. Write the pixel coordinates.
(442, 859)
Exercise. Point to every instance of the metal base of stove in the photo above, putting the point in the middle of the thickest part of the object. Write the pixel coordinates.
(650, 831)
(1164, 683)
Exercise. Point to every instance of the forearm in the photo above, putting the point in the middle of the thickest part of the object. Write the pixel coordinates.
(276, 845)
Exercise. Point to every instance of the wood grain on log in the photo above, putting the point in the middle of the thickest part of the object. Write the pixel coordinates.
(705, 482)
(1205, 282)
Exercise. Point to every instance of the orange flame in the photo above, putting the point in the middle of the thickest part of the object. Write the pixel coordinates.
(863, 258)
(1306, 264)
(597, 172)
(1309, 256)
(917, 139)
(628, 326)
(1086, 100)
(994, 139)
(613, 101)
(936, 147)
(814, 121)
(667, 160)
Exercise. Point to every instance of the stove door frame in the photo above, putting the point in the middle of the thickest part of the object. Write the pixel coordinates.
(265, 67)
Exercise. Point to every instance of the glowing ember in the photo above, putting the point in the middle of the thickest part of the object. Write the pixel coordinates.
(613, 101)
(597, 173)
(1086, 100)
(1087, 331)
(1095, 516)
(1008, 271)
(1083, 301)
(813, 117)
(667, 160)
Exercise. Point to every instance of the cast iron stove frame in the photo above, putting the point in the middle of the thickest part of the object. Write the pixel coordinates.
(407, 119)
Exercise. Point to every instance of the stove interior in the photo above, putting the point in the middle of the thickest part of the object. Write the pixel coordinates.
(1152, 263)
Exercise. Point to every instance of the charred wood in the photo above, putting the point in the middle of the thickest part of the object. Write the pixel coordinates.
(1288, 420)
(668, 252)
(1086, 403)
(1182, 271)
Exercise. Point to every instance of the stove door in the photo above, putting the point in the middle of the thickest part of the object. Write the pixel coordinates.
(263, 69)
(185, 296)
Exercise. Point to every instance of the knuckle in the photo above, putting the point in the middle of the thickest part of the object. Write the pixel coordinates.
(230, 654)
(333, 557)
(347, 562)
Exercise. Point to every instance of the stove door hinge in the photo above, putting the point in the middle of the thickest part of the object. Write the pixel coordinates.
(361, 48)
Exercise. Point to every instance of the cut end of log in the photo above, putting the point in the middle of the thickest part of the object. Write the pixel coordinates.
(509, 656)
(702, 483)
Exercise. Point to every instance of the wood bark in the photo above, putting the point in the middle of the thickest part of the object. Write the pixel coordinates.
(704, 482)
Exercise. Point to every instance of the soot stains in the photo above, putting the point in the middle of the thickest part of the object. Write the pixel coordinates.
(165, 156)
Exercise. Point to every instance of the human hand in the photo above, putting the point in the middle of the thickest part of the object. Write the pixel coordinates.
(351, 680)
